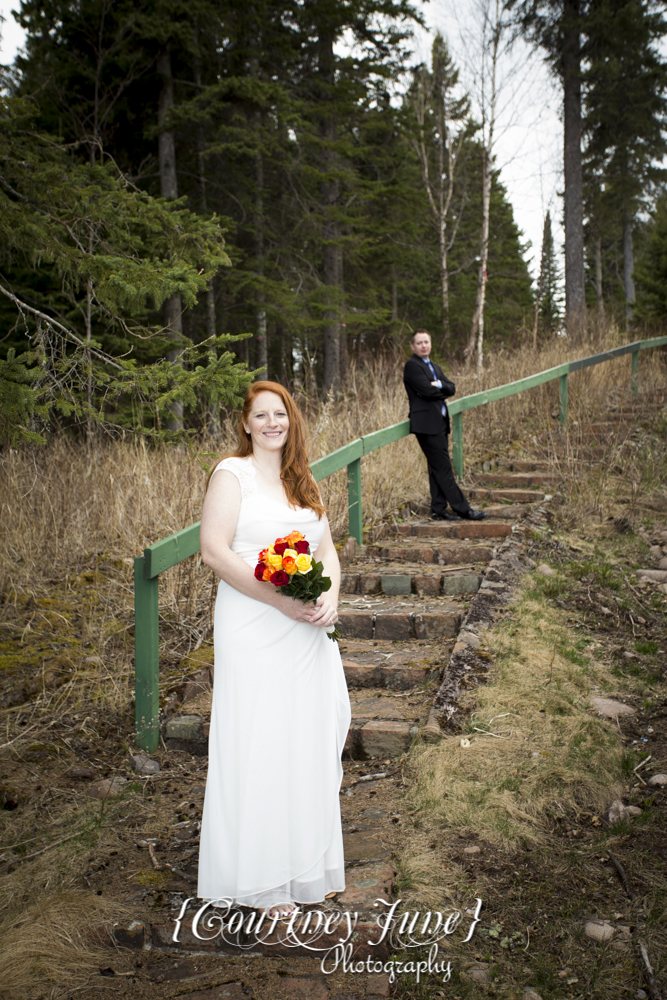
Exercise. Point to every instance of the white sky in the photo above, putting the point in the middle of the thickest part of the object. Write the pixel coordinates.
(529, 146)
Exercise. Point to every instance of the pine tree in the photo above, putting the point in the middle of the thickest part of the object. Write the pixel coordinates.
(626, 116)
(558, 26)
(549, 282)
(117, 254)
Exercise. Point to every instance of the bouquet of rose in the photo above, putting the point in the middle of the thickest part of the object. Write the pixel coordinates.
(289, 565)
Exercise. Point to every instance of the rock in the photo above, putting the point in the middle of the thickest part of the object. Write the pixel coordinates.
(347, 553)
(662, 587)
(476, 974)
(144, 765)
(619, 811)
(93, 661)
(652, 575)
(184, 727)
(196, 685)
(529, 994)
(546, 570)
(656, 551)
(470, 639)
(629, 656)
(81, 773)
(108, 788)
(659, 780)
(599, 930)
(611, 709)
(472, 850)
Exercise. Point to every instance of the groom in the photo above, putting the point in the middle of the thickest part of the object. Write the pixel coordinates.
(427, 389)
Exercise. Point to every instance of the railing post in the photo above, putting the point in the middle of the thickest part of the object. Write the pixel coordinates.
(563, 399)
(457, 443)
(635, 366)
(354, 500)
(146, 658)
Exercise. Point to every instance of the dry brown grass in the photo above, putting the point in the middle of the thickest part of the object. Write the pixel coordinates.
(549, 758)
(72, 521)
(53, 942)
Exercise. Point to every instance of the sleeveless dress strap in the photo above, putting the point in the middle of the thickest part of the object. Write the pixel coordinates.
(244, 471)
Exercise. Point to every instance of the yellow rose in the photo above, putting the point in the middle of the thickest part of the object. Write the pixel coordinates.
(275, 560)
(304, 563)
(290, 553)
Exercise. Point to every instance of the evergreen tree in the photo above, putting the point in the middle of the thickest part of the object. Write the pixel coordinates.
(558, 26)
(549, 281)
(626, 115)
(116, 254)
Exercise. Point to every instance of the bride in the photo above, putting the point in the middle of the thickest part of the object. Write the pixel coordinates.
(271, 830)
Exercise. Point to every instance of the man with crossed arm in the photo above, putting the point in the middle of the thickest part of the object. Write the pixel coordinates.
(427, 389)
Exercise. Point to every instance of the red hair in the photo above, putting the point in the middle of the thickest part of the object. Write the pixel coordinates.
(297, 479)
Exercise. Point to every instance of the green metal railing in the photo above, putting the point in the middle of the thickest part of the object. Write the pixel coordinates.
(170, 551)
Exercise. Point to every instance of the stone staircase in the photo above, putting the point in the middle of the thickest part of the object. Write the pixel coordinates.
(404, 596)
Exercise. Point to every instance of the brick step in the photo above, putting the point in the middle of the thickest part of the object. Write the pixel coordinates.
(381, 737)
(513, 495)
(399, 581)
(518, 480)
(422, 511)
(529, 465)
(454, 529)
(452, 553)
(396, 666)
(384, 619)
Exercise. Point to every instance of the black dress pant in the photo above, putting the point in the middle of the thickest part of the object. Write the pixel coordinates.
(444, 488)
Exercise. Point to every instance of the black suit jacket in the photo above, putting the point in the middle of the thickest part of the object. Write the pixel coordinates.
(425, 399)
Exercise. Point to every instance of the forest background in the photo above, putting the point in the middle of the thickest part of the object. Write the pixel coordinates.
(193, 192)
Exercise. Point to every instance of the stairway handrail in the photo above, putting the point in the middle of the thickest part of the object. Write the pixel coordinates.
(182, 544)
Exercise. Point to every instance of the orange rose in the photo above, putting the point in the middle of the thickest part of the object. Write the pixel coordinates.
(268, 573)
(289, 565)
(295, 536)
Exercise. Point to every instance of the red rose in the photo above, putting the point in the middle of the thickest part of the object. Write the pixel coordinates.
(280, 578)
(280, 547)
(259, 570)
(302, 547)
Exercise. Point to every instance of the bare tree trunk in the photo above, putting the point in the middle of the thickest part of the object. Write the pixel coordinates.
(628, 271)
(330, 234)
(439, 191)
(173, 307)
(477, 325)
(538, 297)
(575, 294)
(214, 427)
(258, 212)
(598, 278)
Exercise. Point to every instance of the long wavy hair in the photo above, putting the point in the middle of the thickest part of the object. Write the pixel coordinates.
(298, 482)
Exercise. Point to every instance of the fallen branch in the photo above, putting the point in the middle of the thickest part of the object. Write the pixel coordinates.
(27, 857)
(653, 988)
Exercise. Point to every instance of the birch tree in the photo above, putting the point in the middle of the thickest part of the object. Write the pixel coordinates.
(442, 120)
(492, 28)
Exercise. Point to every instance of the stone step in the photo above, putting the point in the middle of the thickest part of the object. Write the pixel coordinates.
(380, 737)
(452, 554)
(454, 529)
(528, 465)
(395, 666)
(408, 581)
(518, 480)
(513, 495)
(387, 620)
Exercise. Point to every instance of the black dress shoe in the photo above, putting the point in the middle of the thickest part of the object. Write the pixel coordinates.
(445, 517)
(474, 515)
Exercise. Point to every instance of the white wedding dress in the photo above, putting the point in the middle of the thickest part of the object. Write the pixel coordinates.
(271, 828)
